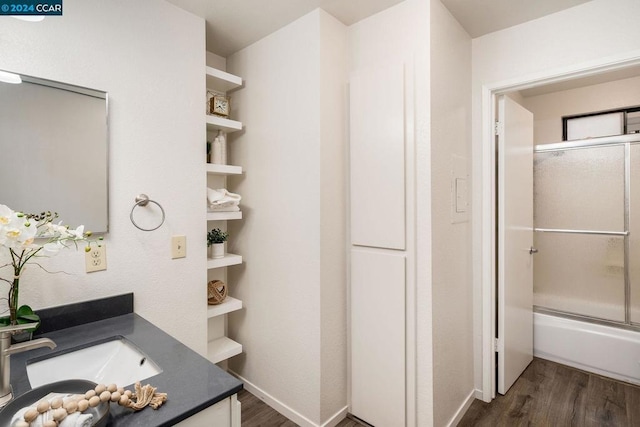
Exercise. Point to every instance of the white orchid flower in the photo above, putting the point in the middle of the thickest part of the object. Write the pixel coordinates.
(52, 248)
(5, 215)
(20, 232)
(78, 233)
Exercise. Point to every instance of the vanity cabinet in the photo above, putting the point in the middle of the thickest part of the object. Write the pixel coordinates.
(220, 347)
(224, 413)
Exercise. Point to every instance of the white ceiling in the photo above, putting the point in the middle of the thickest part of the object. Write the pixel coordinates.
(235, 24)
(480, 17)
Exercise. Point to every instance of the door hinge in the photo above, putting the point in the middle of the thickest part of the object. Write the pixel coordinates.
(499, 128)
(497, 345)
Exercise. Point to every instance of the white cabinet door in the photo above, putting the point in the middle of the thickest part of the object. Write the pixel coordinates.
(377, 157)
(515, 239)
(378, 337)
(224, 413)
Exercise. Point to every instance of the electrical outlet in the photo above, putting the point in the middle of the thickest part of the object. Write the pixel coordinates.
(178, 247)
(96, 258)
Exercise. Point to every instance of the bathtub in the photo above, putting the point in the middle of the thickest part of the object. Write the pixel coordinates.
(603, 350)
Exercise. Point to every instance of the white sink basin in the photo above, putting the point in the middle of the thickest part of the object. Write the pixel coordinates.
(116, 361)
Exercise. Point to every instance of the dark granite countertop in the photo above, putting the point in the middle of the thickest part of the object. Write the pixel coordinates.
(190, 380)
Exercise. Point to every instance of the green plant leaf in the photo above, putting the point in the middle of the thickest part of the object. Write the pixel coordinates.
(25, 315)
(30, 318)
(5, 321)
(24, 310)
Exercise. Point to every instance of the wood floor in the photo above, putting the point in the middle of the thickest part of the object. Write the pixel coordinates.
(256, 413)
(549, 394)
(546, 395)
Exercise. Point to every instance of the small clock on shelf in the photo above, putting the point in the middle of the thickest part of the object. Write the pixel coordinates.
(219, 105)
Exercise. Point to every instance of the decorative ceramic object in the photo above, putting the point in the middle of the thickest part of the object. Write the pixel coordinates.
(215, 242)
(216, 158)
(217, 250)
(216, 292)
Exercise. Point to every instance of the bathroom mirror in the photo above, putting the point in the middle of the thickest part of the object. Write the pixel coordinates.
(53, 150)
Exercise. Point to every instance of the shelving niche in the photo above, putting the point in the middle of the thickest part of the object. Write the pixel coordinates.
(220, 347)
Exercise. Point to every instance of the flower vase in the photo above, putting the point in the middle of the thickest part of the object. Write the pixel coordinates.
(21, 337)
(216, 250)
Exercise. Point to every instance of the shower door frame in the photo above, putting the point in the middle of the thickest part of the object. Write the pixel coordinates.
(485, 228)
(624, 141)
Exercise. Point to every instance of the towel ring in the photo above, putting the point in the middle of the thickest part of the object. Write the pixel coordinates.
(143, 200)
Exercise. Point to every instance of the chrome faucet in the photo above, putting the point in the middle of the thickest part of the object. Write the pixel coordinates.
(6, 350)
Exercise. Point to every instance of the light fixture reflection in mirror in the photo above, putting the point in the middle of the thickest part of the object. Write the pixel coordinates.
(54, 145)
(29, 18)
(12, 78)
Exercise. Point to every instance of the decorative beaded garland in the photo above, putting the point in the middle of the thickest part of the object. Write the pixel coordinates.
(59, 408)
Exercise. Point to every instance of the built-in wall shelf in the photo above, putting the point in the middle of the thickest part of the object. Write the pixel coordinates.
(220, 123)
(227, 306)
(223, 169)
(222, 348)
(223, 216)
(221, 80)
(227, 260)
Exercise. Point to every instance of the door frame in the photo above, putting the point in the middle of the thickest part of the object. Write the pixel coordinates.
(485, 252)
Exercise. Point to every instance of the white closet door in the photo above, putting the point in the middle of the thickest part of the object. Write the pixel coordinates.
(515, 241)
(377, 172)
(378, 337)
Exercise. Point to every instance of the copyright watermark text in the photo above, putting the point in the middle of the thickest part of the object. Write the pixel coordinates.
(31, 7)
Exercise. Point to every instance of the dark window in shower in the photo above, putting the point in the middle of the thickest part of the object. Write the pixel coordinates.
(615, 122)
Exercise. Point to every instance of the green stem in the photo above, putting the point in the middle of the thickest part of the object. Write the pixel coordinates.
(14, 290)
(13, 298)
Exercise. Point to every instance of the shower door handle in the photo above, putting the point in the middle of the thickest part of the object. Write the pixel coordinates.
(532, 250)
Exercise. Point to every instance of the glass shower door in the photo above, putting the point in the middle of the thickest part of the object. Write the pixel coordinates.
(579, 217)
(634, 235)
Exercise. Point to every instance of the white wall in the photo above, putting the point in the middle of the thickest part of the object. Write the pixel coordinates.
(548, 109)
(574, 39)
(333, 198)
(149, 56)
(292, 235)
(451, 263)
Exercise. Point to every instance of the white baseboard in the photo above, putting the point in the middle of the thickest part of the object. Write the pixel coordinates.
(336, 418)
(463, 409)
(478, 394)
(287, 411)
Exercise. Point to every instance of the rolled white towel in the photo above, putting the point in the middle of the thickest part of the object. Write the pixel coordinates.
(38, 422)
(222, 195)
(77, 419)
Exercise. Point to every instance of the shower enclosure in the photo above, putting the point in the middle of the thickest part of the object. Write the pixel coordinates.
(587, 229)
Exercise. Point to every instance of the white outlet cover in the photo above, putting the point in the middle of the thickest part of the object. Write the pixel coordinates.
(96, 258)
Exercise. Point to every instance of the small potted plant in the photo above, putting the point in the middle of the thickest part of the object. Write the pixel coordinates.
(215, 242)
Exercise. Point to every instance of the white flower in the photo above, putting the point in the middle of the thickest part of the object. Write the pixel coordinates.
(5, 215)
(18, 233)
(52, 248)
(51, 230)
(76, 234)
